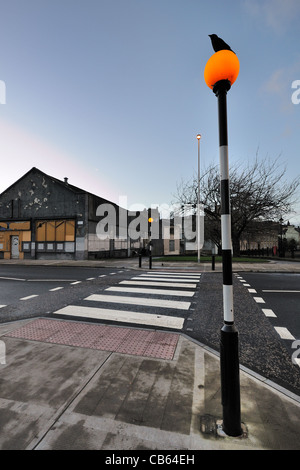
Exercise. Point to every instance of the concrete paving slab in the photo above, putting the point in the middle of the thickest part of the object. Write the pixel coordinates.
(57, 396)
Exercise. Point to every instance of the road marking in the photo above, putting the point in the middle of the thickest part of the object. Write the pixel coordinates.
(169, 279)
(2, 306)
(55, 288)
(284, 332)
(139, 301)
(90, 278)
(29, 297)
(76, 282)
(259, 300)
(283, 291)
(123, 316)
(12, 278)
(102, 275)
(155, 284)
(162, 274)
(50, 280)
(140, 290)
(268, 312)
(252, 291)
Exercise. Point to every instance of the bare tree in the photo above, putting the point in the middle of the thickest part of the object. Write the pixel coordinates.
(258, 191)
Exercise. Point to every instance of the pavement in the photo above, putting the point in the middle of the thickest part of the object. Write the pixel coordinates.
(133, 263)
(83, 386)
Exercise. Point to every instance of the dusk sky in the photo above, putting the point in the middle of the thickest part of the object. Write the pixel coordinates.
(111, 94)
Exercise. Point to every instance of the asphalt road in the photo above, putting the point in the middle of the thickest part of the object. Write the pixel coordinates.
(46, 289)
(280, 293)
(262, 349)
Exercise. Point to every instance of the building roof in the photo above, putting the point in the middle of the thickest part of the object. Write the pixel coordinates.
(65, 184)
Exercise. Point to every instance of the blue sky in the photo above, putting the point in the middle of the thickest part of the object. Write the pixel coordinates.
(111, 94)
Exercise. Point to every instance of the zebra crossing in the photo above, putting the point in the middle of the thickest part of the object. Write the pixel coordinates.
(157, 299)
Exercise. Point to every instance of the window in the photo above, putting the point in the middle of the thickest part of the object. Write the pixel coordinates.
(55, 231)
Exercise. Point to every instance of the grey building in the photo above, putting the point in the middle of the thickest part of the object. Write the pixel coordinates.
(42, 217)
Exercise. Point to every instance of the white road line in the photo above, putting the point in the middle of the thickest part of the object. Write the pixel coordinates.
(169, 279)
(284, 291)
(192, 276)
(123, 316)
(50, 280)
(2, 306)
(155, 284)
(12, 278)
(76, 282)
(90, 278)
(55, 288)
(139, 301)
(252, 291)
(259, 300)
(269, 313)
(29, 297)
(140, 290)
(284, 333)
(102, 275)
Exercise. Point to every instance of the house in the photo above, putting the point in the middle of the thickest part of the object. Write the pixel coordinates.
(42, 217)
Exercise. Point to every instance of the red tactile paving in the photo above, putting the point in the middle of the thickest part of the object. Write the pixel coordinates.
(102, 337)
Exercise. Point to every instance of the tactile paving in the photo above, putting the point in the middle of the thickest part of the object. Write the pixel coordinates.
(145, 343)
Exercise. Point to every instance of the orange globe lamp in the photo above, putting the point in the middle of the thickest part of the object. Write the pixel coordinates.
(223, 65)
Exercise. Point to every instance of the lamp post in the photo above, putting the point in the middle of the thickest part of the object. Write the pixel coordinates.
(220, 73)
(198, 211)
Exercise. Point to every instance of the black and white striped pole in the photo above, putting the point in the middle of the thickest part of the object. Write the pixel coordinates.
(219, 78)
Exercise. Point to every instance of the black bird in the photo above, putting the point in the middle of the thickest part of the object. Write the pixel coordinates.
(218, 44)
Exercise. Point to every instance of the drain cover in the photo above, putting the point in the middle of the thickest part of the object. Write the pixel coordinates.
(208, 425)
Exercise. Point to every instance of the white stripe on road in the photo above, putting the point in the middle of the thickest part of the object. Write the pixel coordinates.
(140, 290)
(2, 306)
(252, 291)
(268, 312)
(284, 332)
(29, 297)
(259, 300)
(192, 276)
(123, 316)
(55, 288)
(284, 291)
(139, 301)
(50, 280)
(76, 282)
(162, 279)
(12, 278)
(155, 284)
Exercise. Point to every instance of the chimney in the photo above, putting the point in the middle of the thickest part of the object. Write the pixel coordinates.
(66, 180)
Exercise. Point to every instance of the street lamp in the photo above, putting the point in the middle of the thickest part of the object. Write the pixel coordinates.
(220, 73)
(198, 212)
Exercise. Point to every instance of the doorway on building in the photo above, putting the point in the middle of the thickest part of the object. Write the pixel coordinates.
(15, 253)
